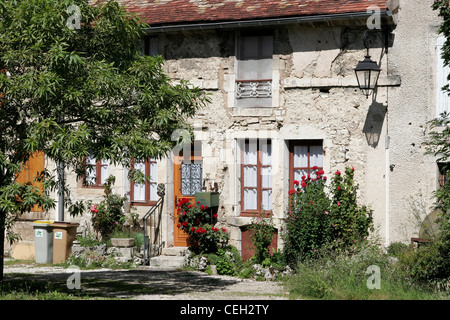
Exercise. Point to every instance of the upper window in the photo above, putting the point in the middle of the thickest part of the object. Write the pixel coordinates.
(254, 71)
(97, 171)
(150, 46)
(442, 72)
(145, 192)
(304, 155)
(256, 176)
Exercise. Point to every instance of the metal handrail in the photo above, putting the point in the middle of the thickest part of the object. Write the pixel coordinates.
(152, 247)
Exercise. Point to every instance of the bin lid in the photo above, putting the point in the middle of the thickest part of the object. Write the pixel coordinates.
(42, 224)
(63, 224)
(44, 221)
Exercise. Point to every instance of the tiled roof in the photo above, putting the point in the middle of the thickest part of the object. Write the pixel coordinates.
(163, 12)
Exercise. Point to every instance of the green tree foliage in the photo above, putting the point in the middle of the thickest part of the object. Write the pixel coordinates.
(76, 89)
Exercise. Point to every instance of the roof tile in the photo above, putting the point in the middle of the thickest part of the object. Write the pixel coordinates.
(162, 12)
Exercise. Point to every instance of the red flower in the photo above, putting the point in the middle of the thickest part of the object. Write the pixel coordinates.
(215, 215)
(339, 188)
(303, 184)
(224, 230)
(185, 224)
(202, 207)
(338, 173)
(291, 192)
(315, 168)
(296, 182)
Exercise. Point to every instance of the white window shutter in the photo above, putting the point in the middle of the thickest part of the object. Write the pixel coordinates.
(442, 71)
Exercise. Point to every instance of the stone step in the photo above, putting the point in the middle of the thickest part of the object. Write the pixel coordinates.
(174, 251)
(167, 261)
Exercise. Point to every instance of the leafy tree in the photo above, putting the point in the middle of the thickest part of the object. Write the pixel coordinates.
(72, 89)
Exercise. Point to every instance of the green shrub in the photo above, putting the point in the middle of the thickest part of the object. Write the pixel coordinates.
(317, 219)
(397, 249)
(307, 226)
(88, 240)
(261, 234)
(108, 216)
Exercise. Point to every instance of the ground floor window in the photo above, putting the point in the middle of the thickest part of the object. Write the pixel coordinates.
(145, 192)
(304, 155)
(256, 176)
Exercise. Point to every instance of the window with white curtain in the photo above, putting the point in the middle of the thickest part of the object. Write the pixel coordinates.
(97, 171)
(442, 71)
(145, 192)
(304, 155)
(256, 175)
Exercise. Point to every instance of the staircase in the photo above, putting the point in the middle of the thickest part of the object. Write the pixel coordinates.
(155, 254)
(173, 257)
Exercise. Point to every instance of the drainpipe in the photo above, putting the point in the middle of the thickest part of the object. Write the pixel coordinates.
(61, 191)
(387, 169)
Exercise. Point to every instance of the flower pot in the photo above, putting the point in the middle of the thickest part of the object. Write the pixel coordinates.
(122, 242)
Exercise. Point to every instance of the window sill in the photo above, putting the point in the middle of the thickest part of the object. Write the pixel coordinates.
(254, 213)
(93, 187)
(143, 203)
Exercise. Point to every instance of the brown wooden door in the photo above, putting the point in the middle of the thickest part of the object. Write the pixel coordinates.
(180, 166)
(32, 169)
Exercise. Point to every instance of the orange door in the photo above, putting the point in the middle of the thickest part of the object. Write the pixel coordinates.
(180, 166)
(32, 169)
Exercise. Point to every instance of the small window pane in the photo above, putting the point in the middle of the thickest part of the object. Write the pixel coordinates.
(267, 200)
(250, 176)
(250, 199)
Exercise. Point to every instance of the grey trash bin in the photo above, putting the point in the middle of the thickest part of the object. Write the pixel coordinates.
(43, 241)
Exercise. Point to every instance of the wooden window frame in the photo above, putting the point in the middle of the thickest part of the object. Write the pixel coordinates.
(443, 178)
(147, 201)
(259, 188)
(308, 168)
(98, 175)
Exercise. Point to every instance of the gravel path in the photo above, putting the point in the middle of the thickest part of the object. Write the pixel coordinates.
(150, 283)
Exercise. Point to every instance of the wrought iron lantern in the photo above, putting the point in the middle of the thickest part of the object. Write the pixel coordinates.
(367, 73)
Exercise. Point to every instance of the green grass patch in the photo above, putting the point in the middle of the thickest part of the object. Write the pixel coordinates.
(352, 277)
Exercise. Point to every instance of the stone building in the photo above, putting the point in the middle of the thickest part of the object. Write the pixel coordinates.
(284, 98)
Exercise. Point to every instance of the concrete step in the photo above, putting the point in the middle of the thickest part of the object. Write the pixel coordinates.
(167, 261)
(174, 251)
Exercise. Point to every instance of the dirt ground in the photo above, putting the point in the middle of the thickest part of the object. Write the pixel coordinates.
(149, 283)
